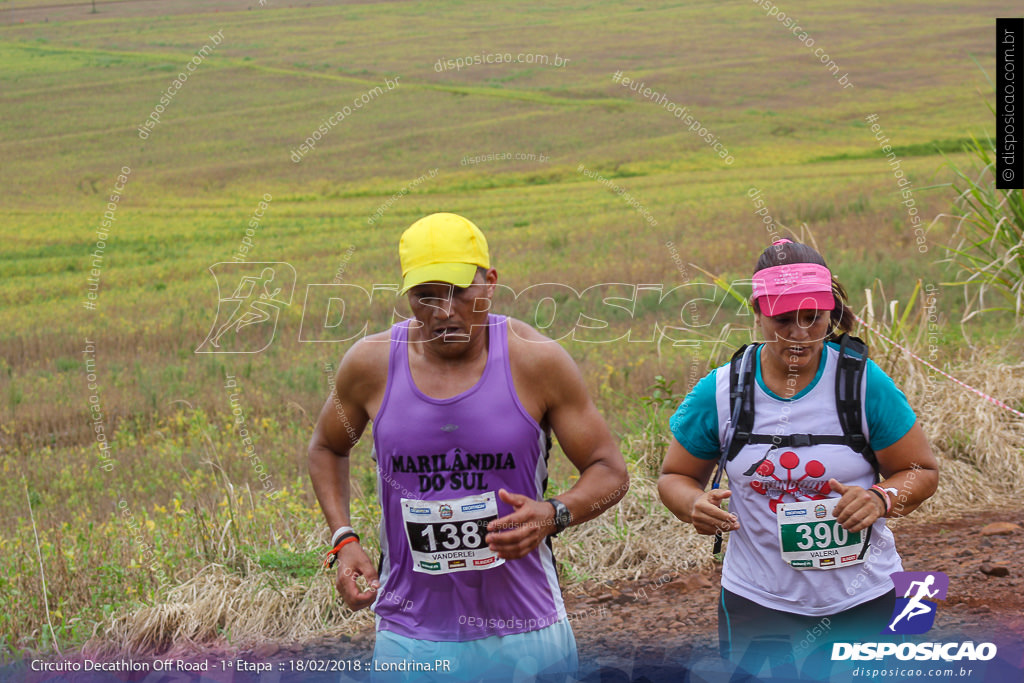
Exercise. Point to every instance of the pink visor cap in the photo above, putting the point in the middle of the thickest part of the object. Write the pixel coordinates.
(792, 287)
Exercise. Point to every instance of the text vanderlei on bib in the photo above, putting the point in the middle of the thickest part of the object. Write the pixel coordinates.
(447, 536)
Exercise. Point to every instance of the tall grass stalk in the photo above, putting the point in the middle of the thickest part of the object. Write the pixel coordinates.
(42, 573)
(987, 248)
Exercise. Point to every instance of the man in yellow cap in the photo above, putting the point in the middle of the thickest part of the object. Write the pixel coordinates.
(463, 403)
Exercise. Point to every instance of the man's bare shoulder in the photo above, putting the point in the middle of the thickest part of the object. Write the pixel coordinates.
(367, 360)
(546, 377)
(535, 352)
(522, 332)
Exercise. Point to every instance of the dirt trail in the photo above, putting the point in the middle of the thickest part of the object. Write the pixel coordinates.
(673, 618)
(668, 618)
(655, 628)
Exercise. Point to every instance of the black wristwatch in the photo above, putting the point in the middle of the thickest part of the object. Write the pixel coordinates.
(563, 517)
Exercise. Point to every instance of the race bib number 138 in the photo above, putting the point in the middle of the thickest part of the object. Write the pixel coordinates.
(447, 536)
(811, 538)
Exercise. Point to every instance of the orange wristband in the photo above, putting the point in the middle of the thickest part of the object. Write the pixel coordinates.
(333, 555)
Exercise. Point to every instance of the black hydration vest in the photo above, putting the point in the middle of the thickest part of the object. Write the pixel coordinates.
(853, 357)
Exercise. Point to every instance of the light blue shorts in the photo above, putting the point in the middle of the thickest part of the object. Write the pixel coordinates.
(548, 654)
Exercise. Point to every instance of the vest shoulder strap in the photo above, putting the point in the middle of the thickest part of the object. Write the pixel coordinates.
(853, 355)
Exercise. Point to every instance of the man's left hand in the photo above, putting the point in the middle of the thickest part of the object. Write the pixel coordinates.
(516, 535)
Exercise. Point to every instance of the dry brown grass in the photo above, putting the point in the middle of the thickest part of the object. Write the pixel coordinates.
(219, 608)
(637, 537)
(980, 446)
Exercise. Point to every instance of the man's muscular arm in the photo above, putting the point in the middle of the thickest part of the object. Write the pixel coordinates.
(552, 385)
(342, 421)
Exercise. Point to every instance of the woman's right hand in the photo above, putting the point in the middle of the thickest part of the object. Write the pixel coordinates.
(707, 515)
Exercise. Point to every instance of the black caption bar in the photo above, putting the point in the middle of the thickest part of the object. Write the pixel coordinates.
(1009, 80)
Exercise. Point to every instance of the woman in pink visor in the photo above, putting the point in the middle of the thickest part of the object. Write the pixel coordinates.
(819, 446)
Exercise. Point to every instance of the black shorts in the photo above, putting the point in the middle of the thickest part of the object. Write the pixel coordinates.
(750, 635)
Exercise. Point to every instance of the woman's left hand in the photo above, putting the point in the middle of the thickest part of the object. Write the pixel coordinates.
(858, 508)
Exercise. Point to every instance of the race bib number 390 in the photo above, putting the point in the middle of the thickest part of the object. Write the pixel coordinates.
(811, 538)
(447, 536)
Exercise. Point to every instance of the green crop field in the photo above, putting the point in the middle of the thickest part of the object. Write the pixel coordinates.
(588, 183)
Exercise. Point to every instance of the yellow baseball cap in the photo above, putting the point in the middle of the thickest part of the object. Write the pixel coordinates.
(442, 247)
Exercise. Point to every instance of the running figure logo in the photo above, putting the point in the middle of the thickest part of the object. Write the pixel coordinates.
(247, 319)
(915, 611)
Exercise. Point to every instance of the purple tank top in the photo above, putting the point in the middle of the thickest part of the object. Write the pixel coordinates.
(444, 457)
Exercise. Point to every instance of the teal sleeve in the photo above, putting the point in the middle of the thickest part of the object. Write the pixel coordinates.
(695, 422)
(889, 414)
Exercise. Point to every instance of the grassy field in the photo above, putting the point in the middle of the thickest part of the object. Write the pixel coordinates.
(175, 499)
